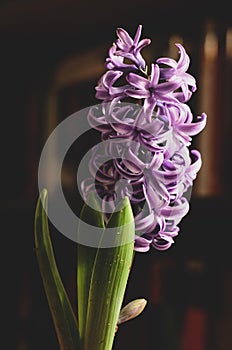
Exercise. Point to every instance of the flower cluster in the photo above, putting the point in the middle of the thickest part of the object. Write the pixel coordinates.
(146, 128)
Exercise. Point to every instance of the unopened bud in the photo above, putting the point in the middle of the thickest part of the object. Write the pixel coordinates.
(131, 310)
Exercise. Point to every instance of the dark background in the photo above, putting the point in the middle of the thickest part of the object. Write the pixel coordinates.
(189, 286)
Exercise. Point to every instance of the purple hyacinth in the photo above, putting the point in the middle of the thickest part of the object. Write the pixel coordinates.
(145, 153)
(126, 47)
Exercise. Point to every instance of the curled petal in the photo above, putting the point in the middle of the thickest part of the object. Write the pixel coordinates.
(176, 212)
(110, 77)
(161, 243)
(142, 221)
(167, 61)
(194, 128)
(184, 60)
(142, 244)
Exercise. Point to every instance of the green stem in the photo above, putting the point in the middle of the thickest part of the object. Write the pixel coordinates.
(86, 257)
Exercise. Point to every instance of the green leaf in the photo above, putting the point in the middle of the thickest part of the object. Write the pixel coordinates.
(61, 310)
(90, 214)
(109, 279)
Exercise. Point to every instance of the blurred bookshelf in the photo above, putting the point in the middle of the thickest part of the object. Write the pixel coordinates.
(46, 76)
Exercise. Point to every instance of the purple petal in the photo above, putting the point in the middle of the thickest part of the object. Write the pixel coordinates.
(196, 165)
(142, 44)
(194, 128)
(168, 61)
(161, 244)
(137, 35)
(124, 37)
(177, 211)
(142, 222)
(137, 81)
(110, 77)
(155, 73)
(184, 60)
(167, 87)
(142, 244)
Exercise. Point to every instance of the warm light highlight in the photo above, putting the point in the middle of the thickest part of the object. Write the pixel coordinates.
(211, 45)
(229, 43)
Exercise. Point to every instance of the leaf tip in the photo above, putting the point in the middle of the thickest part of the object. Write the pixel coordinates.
(43, 195)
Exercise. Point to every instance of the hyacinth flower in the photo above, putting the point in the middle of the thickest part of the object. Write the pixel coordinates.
(136, 193)
(152, 134)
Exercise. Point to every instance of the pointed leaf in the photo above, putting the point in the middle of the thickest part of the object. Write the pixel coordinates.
(61, 310)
